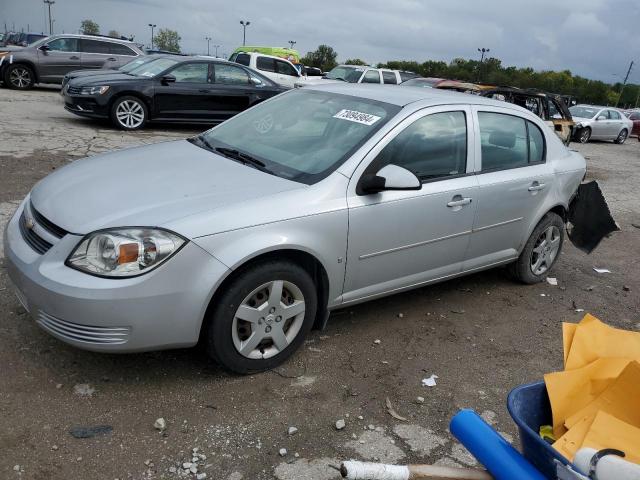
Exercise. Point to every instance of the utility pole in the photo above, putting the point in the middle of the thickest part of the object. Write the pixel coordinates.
(624, 83)
(292, 43)
(244, 24)
(49, 3)
(208, 39)
(216, 47)
(152, 25)
(482, 52)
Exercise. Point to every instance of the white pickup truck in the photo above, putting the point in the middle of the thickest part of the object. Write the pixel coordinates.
(359, 74)
(277, 69)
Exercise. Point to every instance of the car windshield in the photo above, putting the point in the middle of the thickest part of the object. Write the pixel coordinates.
(583, 112)
(38, 41)
(347, 74)
(153, 68)
(133, 64)
(302, 135)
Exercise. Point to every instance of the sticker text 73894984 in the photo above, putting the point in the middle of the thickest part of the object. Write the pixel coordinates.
(358, 117)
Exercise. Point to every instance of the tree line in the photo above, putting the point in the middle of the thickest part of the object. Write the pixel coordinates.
(492, 72)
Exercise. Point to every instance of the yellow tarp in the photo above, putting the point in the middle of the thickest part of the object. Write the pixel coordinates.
(597, 396)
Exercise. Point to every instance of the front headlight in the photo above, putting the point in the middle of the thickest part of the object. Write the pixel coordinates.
(124, 252)
(94, 90)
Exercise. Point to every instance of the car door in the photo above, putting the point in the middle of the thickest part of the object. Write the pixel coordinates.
(95, 53)
(186, 98)
(399, 239)
(119, 55)
(514, 180)
(230, 91)
(287, 74)
(600, 126)
(58, 57)
(616, 123)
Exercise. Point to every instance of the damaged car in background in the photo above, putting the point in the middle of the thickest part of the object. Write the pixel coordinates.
(600, 123)
(246, 236)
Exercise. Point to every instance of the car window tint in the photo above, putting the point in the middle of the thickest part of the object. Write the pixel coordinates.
(434, 146)
(404, 76)
(230, 75)
(265, 64)
(285, 69)
(119, 49)
(536, 144)
(372, 76)
(635, 116)
(94, 46)
(243, 59)
(191, 72)
(389, 77)
(64, 45)
(503, 139)
(613, 115)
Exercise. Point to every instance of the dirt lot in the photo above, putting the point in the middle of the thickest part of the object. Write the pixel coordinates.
(482, 335)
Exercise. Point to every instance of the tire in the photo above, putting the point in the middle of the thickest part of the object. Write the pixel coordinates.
(19, 77)
(524, 269)
(129, 113)
(584, 135)
(247, 346)
(622, 137)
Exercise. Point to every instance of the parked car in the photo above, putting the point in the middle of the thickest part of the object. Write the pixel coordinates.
(170, 89)
(359, 74)
(24, 39)
(9, 38)
(277, 69)
(549, 107)
(48, 60)
(247, 235)
(634, 116)
(126, 68)
(312, 72)
(600, 123)
(422, 82)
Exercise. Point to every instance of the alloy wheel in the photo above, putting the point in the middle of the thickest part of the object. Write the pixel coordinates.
(622, 137)
(585, 135)
(545, 250)
(268, 320)
(130, 114)
(20, 77)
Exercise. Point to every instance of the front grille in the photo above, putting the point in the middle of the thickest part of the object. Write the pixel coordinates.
(71, 90)
(82, 333)
(29, 220)
(34, 240)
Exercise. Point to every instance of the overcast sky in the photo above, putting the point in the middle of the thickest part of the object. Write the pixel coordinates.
(593, 38)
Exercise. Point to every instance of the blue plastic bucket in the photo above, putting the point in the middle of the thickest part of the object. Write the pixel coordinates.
(530, 408)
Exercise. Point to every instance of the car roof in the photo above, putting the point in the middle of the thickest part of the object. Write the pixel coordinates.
(92, 37)
(402, 96)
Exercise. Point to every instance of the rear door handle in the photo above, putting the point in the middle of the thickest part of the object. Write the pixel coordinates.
(459, 201)
(111, 59)
(535, 186)
(204, 90)
(74, 57)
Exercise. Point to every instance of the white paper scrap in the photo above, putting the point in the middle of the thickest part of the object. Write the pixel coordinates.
(429, 382)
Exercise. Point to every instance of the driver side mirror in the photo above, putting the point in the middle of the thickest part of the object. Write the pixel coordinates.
(601, 118)
(45, 48)
(255, 81)
(390, 177)
(167, 79)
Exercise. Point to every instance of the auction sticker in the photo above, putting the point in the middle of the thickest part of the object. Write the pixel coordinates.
(358, 117)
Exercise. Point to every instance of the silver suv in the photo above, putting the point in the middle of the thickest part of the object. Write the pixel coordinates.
(48, 60)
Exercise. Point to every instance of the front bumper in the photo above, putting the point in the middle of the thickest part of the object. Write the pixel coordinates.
(162, 309)
(85, 106)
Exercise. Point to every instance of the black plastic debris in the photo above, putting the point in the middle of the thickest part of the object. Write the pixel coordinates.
(90, 432)
(589, 219)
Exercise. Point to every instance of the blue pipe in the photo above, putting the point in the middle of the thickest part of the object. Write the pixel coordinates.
(499, 458)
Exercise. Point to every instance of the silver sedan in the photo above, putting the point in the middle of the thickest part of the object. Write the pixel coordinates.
(248, 235)
(600, 123)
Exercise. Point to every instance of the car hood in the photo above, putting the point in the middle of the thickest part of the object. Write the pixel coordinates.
(111, 78)
(90, 73)
(148, 186)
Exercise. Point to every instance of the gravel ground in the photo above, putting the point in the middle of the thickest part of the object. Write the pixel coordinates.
(481, 335)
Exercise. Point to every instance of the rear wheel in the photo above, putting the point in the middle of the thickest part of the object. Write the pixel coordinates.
(129, 113)
(541, 250)
(622, 137)
(19, 77)
(584, 135)
(262, 317)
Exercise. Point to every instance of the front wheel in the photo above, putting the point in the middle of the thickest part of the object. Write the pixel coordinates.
(19, 77)
(622, 137)
(262, 317)
(584, 135)
(541, 250)
(129, 113)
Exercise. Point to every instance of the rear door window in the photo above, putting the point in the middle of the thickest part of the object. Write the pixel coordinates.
(372, 76)
(94, 46)
(119, 49)
(266, 64)
(613, 115)
(389, 78)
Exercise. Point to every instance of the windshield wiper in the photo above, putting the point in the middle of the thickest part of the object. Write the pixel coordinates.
(202, 142)
(242, 157)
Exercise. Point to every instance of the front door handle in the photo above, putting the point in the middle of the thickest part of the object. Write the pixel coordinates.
(111, 59)
(74, 57)
(536, 186)
(204, 90)
(459, 201)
